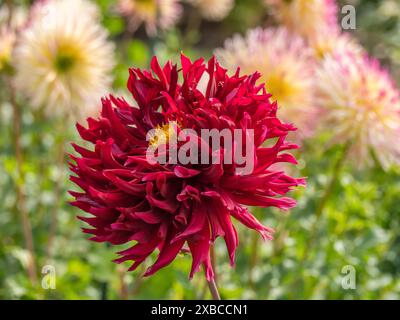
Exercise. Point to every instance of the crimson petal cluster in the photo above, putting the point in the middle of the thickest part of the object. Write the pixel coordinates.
(174, 208)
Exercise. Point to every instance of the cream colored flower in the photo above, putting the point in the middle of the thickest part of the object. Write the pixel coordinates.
(154, 14)
(361, 106)
(306, 17)
(286, 65)
(214, 10)
(63, 59)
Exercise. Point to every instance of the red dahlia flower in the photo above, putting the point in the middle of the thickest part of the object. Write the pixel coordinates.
(165, 206)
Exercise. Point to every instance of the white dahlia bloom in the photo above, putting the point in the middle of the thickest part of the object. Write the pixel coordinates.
(361, 106)
(214, 10)
(63, 59)
(286, 65)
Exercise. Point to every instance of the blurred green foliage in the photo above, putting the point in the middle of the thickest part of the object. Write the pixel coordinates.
(360, 225)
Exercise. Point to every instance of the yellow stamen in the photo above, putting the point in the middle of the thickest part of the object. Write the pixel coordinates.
(163, 133)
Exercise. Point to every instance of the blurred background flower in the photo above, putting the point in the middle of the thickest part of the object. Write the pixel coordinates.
(361, 106)
(155, 14)
(325, 42)
(287, 68)
(306, 17)
(213, 10)
(63, 59)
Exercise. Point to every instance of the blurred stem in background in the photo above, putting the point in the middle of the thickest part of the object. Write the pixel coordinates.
(255, 242)
(20, 181)
(254, 247)
(334, 178)
(191, 33)
(123, 286)
(137, 284)
(214, 262)
(19, 184)
(60, 159)
(311, 238)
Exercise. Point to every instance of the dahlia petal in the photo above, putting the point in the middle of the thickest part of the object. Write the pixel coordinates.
(196, 224)
(155, 66)
(186, 64)
(94, 222)
(83, 151)
(129, 187)
(136, 264)
(213, 173)
(251, 222)
(230, 236)
(189, 192)
(149, 217)
(112, 198)
(200, 248)
(106, 154)
(167, 205)
(208, 269)
(283, 203)
(182, 172)
(79, 182)
(84, 168)
(86, 134)
(167, 254)
(141, 248)
(286, 157)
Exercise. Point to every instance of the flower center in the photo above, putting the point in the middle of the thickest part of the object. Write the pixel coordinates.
(147, 6)
(162, 133)
(64, 62)
(279, 87)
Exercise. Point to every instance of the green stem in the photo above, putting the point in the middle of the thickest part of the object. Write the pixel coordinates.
(212, 285)
(213, 289)
(214, 261)
(137, 284)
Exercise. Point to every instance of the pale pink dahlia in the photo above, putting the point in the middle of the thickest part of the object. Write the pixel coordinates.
(326, 42)
(287, 68)
(361, 106)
